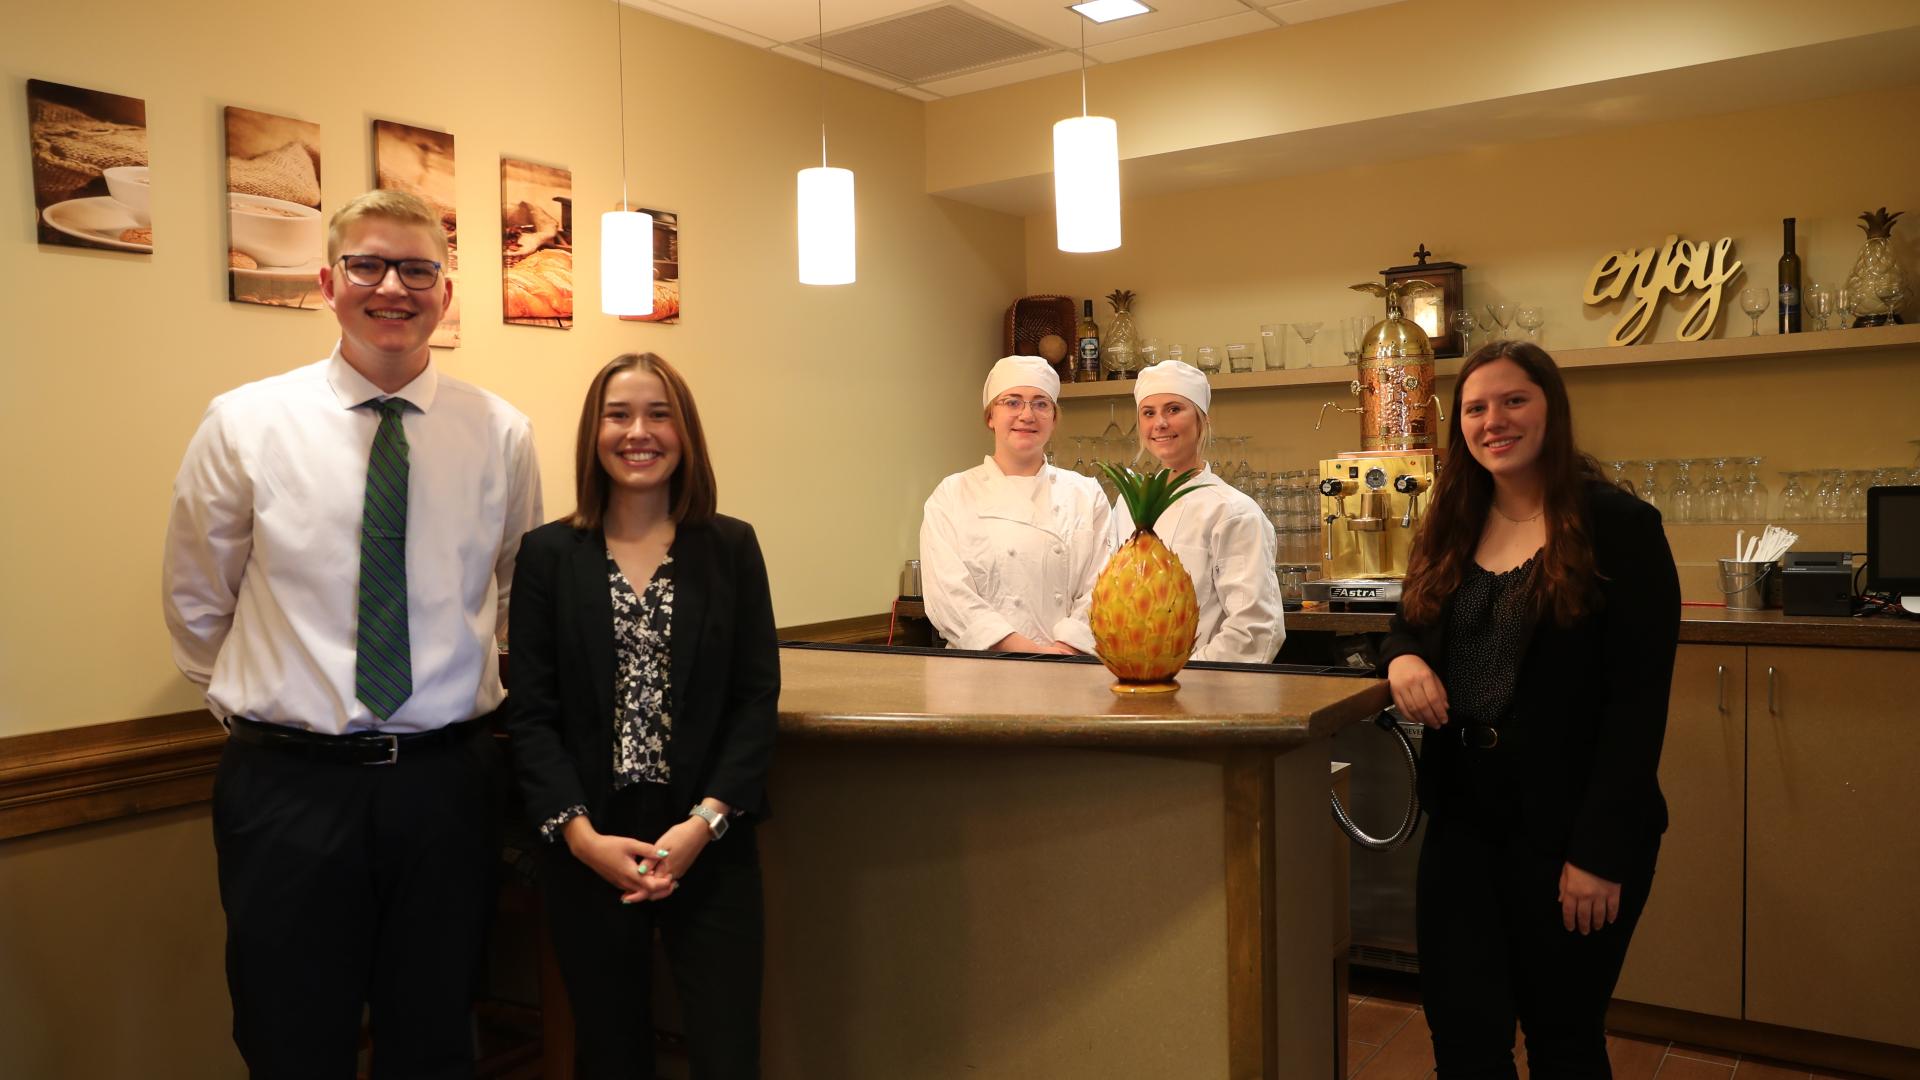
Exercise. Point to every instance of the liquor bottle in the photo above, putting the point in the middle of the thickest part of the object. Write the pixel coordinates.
(1789, 286)
(1087, 347)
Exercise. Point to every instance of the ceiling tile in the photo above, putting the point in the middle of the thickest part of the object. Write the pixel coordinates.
(1057, 22)
(1297, 11)
(812, 59)
(1179, 37)
(1037, 68)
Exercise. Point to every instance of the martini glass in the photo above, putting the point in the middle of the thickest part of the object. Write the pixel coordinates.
(1307, 331)
(1502, 316)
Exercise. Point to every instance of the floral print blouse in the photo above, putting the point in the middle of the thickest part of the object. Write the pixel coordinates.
(642, 695)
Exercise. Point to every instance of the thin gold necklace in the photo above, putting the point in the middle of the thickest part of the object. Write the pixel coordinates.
(1520, 521)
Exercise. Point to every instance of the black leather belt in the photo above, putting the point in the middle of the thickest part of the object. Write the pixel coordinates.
(357, 748)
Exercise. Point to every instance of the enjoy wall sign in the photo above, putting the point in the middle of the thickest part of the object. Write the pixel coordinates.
(1676, 266)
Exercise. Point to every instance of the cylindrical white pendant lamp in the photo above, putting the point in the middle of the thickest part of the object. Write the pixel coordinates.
(826, 226)
(1086, 183)
(626, 263)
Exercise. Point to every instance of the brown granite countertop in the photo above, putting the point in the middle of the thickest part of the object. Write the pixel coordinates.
(882, 696)
(1699, 625)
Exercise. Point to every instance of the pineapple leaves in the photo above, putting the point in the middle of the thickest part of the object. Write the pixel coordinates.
(1148, 497)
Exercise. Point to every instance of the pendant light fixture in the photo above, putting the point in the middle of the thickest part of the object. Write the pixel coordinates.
(826, 199)
(626, 235)
(1086, 176)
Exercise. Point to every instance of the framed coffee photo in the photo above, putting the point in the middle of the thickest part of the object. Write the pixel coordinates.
(1432, 309)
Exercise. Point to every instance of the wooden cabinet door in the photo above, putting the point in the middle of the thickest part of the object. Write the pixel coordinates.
(1833, 798)
(1686, 950)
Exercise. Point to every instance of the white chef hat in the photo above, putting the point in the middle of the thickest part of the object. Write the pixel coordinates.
(1174, 377)
(1011, 371)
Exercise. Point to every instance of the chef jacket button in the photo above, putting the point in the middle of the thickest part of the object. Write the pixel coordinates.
(1010, 551)
(1056, 596)
(1057, 549)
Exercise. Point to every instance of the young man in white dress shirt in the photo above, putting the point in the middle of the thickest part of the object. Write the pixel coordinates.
(337, 562)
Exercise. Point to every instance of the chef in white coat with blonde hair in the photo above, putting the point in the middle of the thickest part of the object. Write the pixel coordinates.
(1221, 535)
(1010, 548)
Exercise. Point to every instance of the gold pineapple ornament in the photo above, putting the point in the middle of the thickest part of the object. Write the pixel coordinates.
(1143, 612)
(1878, 284)
(1122, 345)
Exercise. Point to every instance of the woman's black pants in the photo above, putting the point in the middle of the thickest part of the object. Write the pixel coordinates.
(1494, 950)
(711, 928)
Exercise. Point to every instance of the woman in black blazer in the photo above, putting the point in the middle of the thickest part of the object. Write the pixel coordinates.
(1536, 638)
(644, 680)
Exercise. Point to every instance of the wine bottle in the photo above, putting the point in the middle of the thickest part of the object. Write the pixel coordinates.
(1789, 286)
(1087, 347)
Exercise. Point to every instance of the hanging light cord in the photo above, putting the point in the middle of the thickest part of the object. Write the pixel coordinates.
(619, 38)
(820, 46)
(1083, 66)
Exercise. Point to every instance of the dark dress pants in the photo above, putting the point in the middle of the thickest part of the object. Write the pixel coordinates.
(1494, 949)
(711, 928)
(351, 887)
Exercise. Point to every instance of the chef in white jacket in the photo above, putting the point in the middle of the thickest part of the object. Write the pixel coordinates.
(1221, 535)
(1010, 548)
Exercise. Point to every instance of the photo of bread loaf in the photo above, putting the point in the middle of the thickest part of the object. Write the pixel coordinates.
(666, 267)
(536, 244)
(420, 160)
(89, 154)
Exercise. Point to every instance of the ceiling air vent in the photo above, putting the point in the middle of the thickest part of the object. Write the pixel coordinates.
(932, 43)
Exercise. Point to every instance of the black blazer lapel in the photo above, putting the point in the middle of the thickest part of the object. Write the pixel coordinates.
(594, 626)
(693, 581)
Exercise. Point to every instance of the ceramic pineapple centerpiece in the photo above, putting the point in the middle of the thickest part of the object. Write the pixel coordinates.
(1122, 347)
(1143, 612)
(1878, 284)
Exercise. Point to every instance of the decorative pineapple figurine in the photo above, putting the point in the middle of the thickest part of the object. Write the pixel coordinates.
(1122, 347)
(1143, 612)
(1878, 284)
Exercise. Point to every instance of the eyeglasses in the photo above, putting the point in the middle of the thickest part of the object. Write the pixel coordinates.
(1040, 406)
(368, 271)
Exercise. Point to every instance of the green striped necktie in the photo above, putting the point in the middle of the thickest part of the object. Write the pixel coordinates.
(383, 665)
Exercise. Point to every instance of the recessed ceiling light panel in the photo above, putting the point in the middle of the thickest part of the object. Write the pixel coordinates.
(1106, 11)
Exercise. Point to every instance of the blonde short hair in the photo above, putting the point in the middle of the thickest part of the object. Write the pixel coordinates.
(400, 206)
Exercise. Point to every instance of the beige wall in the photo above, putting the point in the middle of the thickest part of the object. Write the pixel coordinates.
(813, 397)
(1529, 220)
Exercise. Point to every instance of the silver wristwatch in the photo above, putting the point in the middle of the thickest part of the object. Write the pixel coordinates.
(716, 821)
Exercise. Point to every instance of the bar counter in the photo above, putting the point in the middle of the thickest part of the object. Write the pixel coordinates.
(989, 867)
(1698, 625)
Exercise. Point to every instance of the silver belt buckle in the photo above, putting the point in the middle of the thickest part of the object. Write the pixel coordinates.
(393, 751)
(1479, 737)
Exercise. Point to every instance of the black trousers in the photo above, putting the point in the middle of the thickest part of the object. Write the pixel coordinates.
(351, 887)
(1494, 949)
(711, 928)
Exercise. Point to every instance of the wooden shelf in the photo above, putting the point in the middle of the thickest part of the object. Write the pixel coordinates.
(1822, 342)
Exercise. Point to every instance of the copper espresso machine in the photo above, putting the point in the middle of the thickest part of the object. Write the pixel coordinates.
(1370, 498)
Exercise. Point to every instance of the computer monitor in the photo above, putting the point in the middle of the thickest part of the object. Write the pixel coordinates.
(1893, 543)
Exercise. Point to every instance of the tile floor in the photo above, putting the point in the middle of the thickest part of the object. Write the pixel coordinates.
(1387, 1039)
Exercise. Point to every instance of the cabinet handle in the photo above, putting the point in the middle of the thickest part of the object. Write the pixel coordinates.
(1720, 688)
(1771, 708)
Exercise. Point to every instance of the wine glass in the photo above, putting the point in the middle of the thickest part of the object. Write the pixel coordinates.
(1617, 474)
(1650, 482)
(1858, 480)
(1080, 456)
(1530, 318)
(1352, 329)
(1682, 503)
(1149, 353)
(1307, 331)
(1112, 430)
(1843, 306)
(1502, 317)
(1207, 359)
(1755, 300)
(1832, 494)
(1463, 322)
(1716, 495)
(1819, 300)
(1796, 501)
(1753, 494)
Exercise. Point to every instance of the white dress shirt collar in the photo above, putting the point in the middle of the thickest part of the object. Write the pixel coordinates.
(353, 389)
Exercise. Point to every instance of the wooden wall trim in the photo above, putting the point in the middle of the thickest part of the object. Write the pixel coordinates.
(1750, 1037)
(1253, 1034)
(56, 779)
(74, 776)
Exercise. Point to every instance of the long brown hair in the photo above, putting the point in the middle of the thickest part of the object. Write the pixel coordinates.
(1562, 579)
(691, 490)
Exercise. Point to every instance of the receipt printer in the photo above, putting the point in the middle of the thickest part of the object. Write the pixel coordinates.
(1817, 583)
